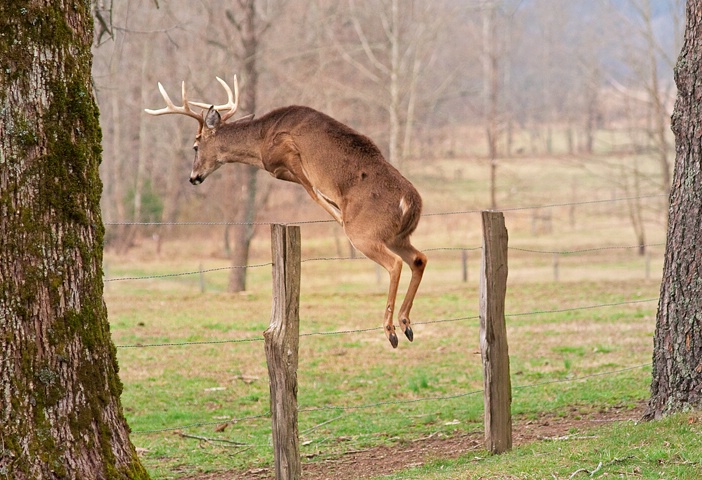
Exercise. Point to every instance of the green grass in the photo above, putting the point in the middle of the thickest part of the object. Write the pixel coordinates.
(671, 448)
(571, 342)
(353, 385)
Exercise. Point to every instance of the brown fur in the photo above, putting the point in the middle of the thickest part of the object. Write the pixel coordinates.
(342, 170)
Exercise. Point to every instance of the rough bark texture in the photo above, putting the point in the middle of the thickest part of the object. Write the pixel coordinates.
(677, 356)
(60, 415)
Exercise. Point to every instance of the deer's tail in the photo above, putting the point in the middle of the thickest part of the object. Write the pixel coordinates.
(411, 209)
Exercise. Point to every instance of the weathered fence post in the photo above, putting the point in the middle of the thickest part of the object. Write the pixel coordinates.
(281, 344)
(493, 334)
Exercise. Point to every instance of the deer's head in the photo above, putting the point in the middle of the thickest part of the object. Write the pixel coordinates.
(206, 152)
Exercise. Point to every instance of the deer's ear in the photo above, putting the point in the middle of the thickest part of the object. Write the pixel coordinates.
(212, 119)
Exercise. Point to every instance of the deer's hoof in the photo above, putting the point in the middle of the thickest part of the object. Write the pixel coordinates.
(409, 333)
(393, 339)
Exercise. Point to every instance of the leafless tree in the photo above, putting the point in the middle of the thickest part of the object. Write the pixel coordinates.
(533, 76)
(391, 46)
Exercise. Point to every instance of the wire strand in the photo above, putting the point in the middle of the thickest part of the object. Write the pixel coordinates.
(456, 212)
(373, 329)
(586, 250)
(202, 424)
(183, 274)
(366, 406)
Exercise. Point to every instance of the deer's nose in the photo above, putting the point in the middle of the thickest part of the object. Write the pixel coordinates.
(196, 180)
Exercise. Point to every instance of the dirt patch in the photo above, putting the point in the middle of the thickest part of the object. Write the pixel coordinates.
(384, 460)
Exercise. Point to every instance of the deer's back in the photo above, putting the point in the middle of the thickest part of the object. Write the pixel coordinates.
(333, 154)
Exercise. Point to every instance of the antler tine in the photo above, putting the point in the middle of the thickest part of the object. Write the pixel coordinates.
(232, 100)
(232, 103)
(172, 108)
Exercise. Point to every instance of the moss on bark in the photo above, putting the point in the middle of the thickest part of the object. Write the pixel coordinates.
(60, 412)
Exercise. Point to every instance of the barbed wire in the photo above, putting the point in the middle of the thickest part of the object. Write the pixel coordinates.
(361, 257)
(577, 379)
(441, 398)
(147, 224)
(204, 424)
(587, 250)
(183, 274)
(388, 402)
(587, 307)
(575, 204)
(184, 344)
(373, 329)
(310, 409)
(456, 212)
(459, 249)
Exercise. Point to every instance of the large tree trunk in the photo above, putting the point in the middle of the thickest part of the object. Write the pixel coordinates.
(60, 413)
(677, 356)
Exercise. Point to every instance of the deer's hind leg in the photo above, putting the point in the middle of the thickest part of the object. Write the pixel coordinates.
(417, 262)
(383, 256)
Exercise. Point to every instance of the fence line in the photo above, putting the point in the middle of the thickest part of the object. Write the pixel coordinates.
(587, 250)
(184, 344)
(375, 329)
(289, 415)
(586, 202)
(395, 402)
(268, 264)
(435, 249)
(204, 424)
(457, 212)
(182, 274)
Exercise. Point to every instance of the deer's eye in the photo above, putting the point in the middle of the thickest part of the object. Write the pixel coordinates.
(195, 147)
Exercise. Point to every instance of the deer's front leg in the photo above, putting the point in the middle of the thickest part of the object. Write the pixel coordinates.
(289, 168)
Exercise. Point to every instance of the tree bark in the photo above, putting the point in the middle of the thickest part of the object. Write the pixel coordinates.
(60, 413)
(677, 355)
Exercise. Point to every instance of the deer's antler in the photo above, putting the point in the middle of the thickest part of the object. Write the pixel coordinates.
(171, 108)
(232, 100)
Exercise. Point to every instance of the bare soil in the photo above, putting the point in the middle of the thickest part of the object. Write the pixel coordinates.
(388, 459)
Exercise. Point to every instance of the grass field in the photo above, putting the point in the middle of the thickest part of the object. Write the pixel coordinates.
(580, 336)
(669, 449)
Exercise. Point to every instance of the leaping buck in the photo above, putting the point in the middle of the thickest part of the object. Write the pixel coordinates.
(342, 170)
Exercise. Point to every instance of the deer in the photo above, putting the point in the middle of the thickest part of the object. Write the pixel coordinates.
(342, 170)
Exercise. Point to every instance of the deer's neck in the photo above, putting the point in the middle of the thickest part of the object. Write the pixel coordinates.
(241, 143)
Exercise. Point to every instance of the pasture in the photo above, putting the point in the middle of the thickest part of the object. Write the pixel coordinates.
(581, 309)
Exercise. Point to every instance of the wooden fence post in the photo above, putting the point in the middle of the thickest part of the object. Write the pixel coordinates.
(281, 345)
(493, 334)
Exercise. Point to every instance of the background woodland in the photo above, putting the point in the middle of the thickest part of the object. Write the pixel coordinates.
(426, 80)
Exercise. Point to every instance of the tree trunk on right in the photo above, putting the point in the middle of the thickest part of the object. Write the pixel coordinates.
(677, 356)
